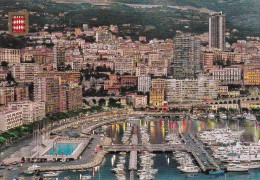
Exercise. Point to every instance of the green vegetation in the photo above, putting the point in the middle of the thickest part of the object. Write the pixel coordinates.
(114, 103)
(8, 41)
(18, 132)
(160, 22)
(15, 133)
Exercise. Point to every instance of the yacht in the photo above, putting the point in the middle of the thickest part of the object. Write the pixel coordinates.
(34, 167)
(189, 169)
(211, 116)
(86, 177)
(249, 117)
(194, 117)
(236, 168)
(234, 118)
(50, 174)
(222, 116)
(253, 165)
(133, 119)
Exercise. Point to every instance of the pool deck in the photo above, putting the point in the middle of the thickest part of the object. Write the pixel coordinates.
(98, 159)
(41, 154)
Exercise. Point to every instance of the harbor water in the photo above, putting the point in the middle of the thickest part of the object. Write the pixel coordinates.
(166, 165)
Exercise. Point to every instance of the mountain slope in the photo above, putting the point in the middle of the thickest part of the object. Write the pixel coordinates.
(238, 12)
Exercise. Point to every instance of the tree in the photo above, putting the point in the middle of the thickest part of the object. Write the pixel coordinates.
(102, 102)
(140, 93)
(112, 102)
(10, 78)
(68, 67)
(222, 109)
(4, 63)
(228, 63)
(245, 109)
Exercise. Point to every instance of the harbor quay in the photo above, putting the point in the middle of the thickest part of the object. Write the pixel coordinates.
(90, 149)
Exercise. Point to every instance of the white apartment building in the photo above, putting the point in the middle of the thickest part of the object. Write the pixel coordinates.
(144, 83)
(32, 111)
(10, 119)
(229, 75)
(188, 90)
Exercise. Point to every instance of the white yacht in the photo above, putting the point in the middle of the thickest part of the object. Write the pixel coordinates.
(133, 119)
(211, 116)
(236, 168)
(194, 117)
(189, 169)
(253, 165)
(249, 117)
(50, 174)
(86, 177)
(222, 116)
(34, 167)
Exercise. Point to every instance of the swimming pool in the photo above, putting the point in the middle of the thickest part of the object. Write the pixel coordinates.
(62, 149)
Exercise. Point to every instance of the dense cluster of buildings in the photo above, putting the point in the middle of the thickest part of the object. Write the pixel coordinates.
(47, 76)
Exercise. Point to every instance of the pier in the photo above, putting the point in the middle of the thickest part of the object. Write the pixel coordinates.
(205, 161)
(133, 154)
(151, 148)
(159, 114)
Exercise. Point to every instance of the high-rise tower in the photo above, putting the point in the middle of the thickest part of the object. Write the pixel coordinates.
(217, 30)
(186, 59)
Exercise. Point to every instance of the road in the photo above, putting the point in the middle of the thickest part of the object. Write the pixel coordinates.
(200, 154)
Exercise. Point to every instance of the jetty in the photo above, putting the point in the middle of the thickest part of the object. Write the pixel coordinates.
(205, 161)
(133, 154)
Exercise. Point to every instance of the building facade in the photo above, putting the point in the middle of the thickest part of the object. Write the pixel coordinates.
(217, 31)
(144, 83)
(21, 93)
(251, 75)
(10, 119)
(140, 101)
(157, 97)
(227, 75)
(124, 65)
(24, 72)
(186, 60)
(48, 89)
(188, 90)
(12, 56)
(32, 111)
(6, 95)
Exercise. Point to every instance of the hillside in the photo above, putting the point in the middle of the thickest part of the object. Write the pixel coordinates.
(160, 22)
(238, 12)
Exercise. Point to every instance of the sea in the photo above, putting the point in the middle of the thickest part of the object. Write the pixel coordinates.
(164, 162)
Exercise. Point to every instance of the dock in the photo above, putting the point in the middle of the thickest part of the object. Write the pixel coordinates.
(205, 161)
(151, 148)
(133, 154)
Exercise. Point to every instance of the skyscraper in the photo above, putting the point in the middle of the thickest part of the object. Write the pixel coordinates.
(186, 59)
(217, 29)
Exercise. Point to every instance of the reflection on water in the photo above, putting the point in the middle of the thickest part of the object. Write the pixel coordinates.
(159, 128)
(164, 162)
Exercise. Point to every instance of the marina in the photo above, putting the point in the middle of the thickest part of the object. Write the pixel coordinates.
(136, 144)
